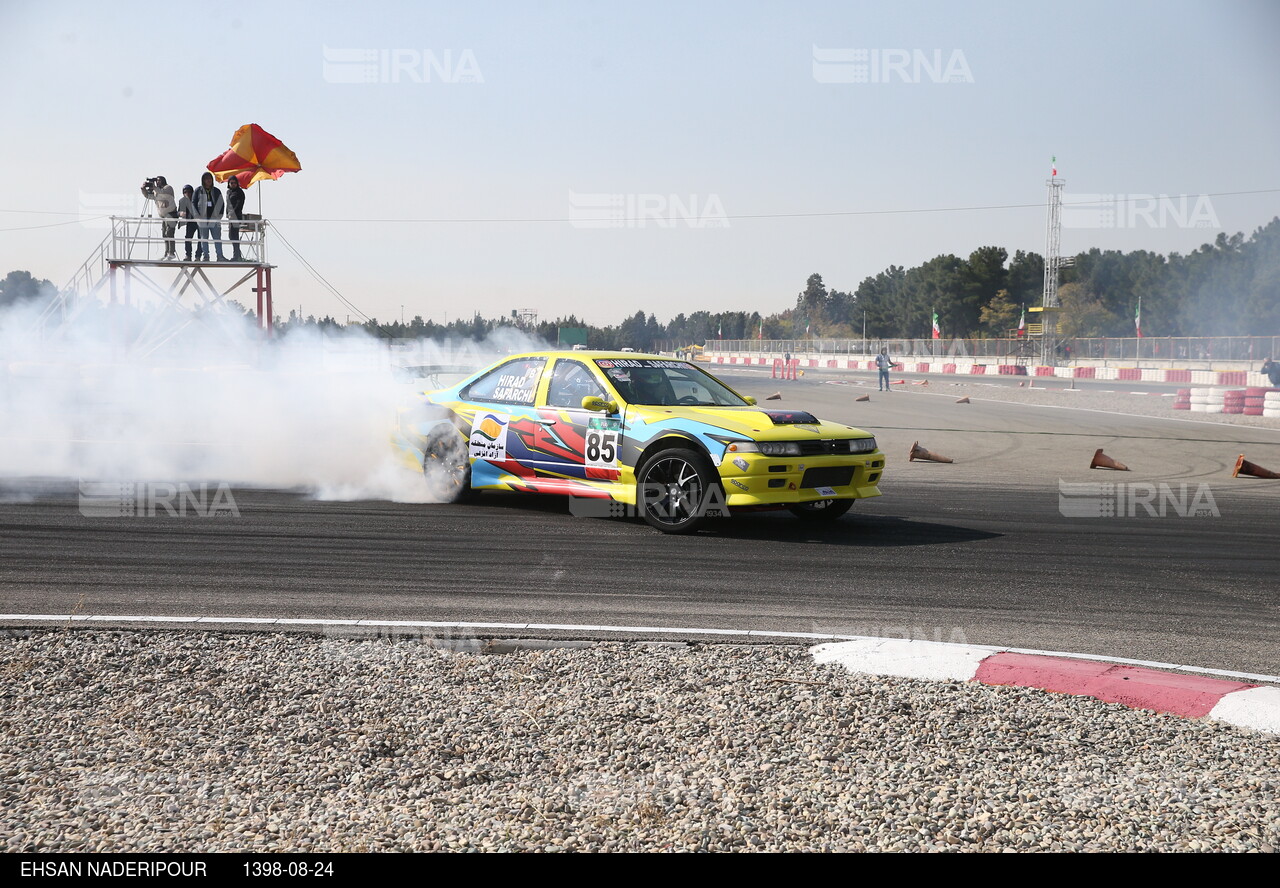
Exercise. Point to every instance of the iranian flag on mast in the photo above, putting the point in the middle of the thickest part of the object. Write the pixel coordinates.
(1022, 323)
(1137, 318)
(937, 331)
(1054, 167)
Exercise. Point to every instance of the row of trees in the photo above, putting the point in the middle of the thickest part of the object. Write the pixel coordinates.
(1230, 287)
(20, 286)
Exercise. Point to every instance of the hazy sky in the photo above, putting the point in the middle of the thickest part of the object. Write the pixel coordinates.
(676, 121)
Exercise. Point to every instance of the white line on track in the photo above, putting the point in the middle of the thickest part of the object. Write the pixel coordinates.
(574, 627)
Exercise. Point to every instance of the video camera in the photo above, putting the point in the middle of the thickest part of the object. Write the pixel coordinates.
(149, 186)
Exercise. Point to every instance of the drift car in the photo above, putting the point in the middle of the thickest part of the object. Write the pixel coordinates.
(616, 430)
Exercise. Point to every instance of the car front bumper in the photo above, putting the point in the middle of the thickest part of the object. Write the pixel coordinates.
(753, 479)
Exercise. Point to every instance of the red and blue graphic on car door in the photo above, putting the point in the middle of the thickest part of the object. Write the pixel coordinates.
(544, 449)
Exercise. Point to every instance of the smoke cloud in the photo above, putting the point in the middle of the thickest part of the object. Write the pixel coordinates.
(140, 397)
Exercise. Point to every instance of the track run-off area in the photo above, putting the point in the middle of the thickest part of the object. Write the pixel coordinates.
(984, 550)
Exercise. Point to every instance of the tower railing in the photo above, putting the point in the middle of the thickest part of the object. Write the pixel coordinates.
(141, 239)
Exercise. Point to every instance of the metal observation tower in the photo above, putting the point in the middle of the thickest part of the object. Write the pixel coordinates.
(129, 268)
(1054, 262)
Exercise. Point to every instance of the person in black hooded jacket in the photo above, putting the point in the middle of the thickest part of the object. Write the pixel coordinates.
(1271, 370)
(235, 211)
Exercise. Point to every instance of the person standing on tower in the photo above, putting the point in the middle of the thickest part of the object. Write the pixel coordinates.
(160, 191)
(187, 212)
(209, 209)
(235, 211)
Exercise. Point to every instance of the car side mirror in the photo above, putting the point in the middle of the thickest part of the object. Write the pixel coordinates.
(750, 400)
(598, 404)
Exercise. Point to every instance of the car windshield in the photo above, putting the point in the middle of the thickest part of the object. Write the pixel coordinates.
(658, 383)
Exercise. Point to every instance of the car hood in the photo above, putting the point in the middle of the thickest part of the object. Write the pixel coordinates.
(754, 423)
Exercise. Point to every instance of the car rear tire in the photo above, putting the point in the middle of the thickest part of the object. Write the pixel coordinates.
(674, 489)
(821, 510)
(446, 466)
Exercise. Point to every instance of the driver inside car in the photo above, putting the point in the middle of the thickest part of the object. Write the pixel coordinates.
(651, 387)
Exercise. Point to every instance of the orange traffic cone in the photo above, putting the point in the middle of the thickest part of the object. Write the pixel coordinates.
(776, 396)
(1102, 461)
(918, 452)
(863, 398)
(964, 400)
(1244, 467)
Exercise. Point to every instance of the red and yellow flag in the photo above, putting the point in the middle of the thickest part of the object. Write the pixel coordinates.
(254, 155)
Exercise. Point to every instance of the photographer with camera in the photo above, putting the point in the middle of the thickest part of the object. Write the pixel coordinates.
(209, 209)
(159, 190)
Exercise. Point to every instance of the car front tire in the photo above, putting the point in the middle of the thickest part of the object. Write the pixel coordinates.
(674, 489)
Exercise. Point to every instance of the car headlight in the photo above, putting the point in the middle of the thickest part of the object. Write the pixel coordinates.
(862, 445)
(768, 448)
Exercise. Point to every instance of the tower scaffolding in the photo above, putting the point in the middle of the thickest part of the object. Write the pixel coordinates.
(129, 266)
(1053, 262)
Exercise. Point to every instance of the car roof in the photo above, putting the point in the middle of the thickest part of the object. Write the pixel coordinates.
(592, 354)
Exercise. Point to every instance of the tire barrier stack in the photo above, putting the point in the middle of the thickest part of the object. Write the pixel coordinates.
(1208, 400)
(1271, 404)
(1252, 401)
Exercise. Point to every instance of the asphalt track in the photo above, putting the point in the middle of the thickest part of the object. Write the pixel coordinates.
(977, 551)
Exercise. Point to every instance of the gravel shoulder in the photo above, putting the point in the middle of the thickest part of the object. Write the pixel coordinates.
(199, 742)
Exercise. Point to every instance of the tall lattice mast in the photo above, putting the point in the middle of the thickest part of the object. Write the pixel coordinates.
(1052, 263)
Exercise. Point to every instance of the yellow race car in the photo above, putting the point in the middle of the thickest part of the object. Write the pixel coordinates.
(624, 433)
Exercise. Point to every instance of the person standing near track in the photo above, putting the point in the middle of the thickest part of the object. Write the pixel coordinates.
(884, 364)
(1271, 370)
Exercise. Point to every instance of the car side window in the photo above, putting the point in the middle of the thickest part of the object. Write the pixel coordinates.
(570, 383)
(515, 382)
(689, 388)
